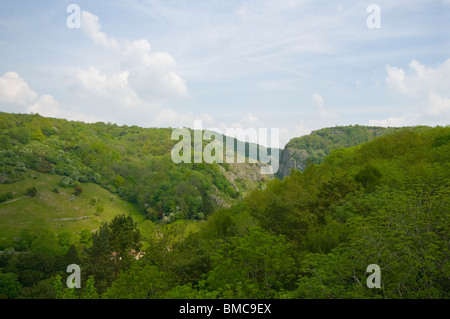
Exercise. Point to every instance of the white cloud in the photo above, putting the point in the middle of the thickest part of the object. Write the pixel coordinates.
(98, 87)
(318, 100)
(133, 88)
(151, 73)
(408, 119)
(17, 97)
(248, 121)
(46, 105)
(438, 105)
(319, 104)
(420, 80)
(169, 117)
(300, 129)
(98, 83)
(91, 27)
(396, 79)
(135, 92)
(425, 88)
(15, 94)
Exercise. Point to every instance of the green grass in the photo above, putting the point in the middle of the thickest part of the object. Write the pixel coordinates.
(40, 212)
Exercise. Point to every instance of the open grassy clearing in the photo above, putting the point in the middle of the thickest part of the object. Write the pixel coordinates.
(59, 212)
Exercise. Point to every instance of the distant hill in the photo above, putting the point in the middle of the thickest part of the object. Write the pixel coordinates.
(133, 162)
(315, 146)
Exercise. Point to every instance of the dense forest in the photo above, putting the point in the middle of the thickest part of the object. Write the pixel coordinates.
(191, 234)
(312, 148)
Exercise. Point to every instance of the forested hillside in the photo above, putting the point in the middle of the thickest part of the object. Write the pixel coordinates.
(133, 162)
(311, 235)
(314, 147)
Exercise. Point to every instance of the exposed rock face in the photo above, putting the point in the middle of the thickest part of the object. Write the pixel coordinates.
(246, 172)
(292, 158)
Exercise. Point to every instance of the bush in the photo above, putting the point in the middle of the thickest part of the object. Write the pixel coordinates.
(5, 197)
(77, 190)
(66, 182)
(31, 191)
(21, 167)
(99, 209)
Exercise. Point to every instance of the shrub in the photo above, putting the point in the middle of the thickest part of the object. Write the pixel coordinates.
(66, 182)
(21, 167)
(99, 209)
(5, 197)
(31, 191)
(77, 190)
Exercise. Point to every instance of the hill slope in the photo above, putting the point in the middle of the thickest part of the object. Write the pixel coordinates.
(133, 162)
(311, 235)
(57, 209)
(314, 147)
(315, 233)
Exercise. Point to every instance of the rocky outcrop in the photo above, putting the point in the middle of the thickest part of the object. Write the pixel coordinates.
(292, 158)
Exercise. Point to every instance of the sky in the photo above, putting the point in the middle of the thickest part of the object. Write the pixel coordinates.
(294, 65)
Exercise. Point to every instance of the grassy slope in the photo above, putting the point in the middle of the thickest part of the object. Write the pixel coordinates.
(36, 213)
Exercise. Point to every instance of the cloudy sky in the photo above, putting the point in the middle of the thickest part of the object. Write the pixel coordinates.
(296, 65)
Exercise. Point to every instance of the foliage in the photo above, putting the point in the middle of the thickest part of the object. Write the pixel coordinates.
(77, 190)
(257, 265)
(132, 162)
(31, 191)
(310, 235)
(142, 281)
(111, 250)
(5, 197)
(10, 287)
(310, 149)
(321, 142)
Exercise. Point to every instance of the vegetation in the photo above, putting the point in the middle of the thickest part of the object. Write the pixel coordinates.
(133, 162)
(311, 235)
(312, 148)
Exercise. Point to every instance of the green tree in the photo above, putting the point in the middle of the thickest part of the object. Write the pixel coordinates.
(100, 263)
(112, 250)
(89, 291)
(86, 237)
(47, 243)
(20, 134)
(257, 265)
(125, 236)
(61, 291)
(44, 289)
(142, 281)
(10, 286)
(5, 142)
(119, 181)
(36, 135)
(72, 256)
(26, 238)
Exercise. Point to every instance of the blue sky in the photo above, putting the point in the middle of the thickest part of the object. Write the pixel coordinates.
(296, 65)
